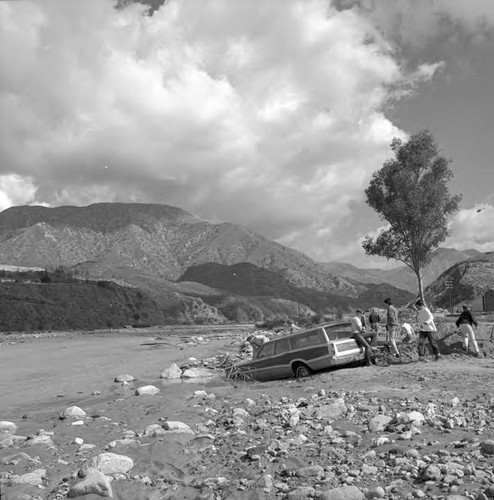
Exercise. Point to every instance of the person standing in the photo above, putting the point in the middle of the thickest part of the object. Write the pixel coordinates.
(427, 331)
(465, 323)
(360, 337)
(374, 321)
(392, 327)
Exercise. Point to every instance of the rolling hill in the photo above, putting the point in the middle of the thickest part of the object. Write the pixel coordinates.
(402, 276)
(470, 278)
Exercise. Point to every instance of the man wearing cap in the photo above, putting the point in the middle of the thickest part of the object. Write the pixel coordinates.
(392, 327)
(465, 323)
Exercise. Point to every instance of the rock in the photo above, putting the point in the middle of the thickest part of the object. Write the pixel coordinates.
(377, 492)
(154, 430)
(332, 411)
(72, 412)
(17, 459)
(43, 439)
(379, 423)
(301, 493)
(7, 428)
(431, 473)
(111, 463)
(150, 390)
(197, 373)
(487, 447)
(416, 417)
(178, 427)
(310, 471)
(35, 478)
(124, 378)
(342, 493)
(173, 371)
(95, 483)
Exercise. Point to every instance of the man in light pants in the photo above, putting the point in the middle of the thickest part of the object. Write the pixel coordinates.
(465, 323)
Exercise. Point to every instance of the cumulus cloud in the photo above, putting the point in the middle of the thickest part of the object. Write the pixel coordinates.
(268, 114)
(473, 228)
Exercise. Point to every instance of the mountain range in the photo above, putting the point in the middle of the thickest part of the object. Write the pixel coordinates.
(196, 270)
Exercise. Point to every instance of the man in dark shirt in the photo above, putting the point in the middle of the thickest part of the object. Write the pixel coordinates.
(392, 327)
(374, 320)
(465, 323)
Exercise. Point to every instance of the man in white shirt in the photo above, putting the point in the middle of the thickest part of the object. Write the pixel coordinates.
(408, 332)
(427, 331)
(360, 336)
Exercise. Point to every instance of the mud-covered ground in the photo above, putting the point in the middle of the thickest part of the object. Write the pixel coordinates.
(408, 430)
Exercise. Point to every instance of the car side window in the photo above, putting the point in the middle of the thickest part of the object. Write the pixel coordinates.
(314, 337)
(281, 346)
(267, 350)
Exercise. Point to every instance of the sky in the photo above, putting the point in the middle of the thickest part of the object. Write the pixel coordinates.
(272, 114)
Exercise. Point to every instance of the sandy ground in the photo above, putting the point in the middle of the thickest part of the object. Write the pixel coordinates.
(41, 377)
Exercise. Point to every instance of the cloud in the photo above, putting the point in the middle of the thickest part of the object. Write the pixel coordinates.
(416, 23)
(473, 228)
(15, 190)
(267, 114)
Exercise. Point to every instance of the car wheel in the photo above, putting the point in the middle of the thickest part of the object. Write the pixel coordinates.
(301, 371)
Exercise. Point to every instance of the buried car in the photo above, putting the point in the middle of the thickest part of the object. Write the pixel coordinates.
(301, 353)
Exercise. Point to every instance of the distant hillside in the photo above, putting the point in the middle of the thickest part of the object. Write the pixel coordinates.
(248, 280)
(36, 301)
(402, 276)
(471, 279)
(157, 240)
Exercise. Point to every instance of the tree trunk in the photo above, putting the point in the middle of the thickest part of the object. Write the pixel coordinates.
(421, 288)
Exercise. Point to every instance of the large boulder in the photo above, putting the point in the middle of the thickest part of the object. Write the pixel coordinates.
(173, 371)
(72, 412)
(149, 390)
(95, 483)
(7, 428)
(111, 463)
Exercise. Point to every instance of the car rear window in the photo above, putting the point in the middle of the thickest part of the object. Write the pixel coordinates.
(306, 339)
(339, 330)
(281, 346)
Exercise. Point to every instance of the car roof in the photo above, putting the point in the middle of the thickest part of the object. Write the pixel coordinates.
(306, 330)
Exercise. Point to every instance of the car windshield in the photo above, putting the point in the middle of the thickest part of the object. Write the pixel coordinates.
(267, 350)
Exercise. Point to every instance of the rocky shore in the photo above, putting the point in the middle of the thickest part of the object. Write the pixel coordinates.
(405, 431)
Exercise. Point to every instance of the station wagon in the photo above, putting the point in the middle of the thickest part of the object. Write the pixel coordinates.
(301, 353)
